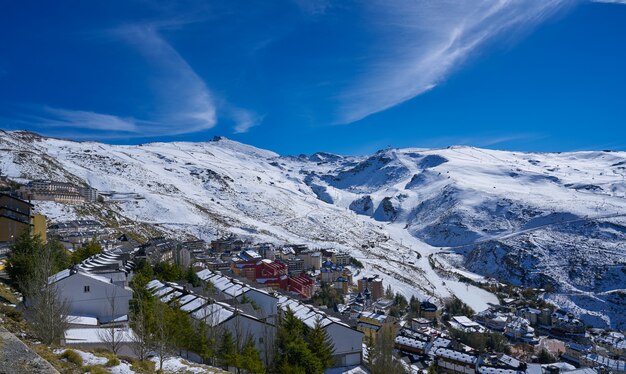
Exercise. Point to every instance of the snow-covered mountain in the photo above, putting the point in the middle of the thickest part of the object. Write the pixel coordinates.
(537, 219)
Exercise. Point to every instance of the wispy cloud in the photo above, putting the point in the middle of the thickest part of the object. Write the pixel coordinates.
(183, 103)
(179, 101)
(244, 120)
(422, 42)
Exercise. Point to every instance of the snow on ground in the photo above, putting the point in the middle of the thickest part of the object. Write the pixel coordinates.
(170, 365)
(477, 298)
(420, 201)
(179, 365)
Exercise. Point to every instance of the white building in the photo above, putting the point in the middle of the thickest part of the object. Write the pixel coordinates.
(91, 295)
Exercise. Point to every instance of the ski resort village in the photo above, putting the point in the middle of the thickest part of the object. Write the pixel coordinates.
(219, 257)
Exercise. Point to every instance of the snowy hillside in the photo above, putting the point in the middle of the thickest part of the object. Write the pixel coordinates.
(534, 219)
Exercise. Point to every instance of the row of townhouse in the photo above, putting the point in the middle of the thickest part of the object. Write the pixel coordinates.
(219, 316)
(347, 341)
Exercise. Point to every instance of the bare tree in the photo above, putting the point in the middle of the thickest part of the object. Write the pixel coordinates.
(162, 334)
(112, 334)
(141, 337)
(211, 317)
(47, 312)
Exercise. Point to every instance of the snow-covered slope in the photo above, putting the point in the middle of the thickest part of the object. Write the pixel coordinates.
(533, 219)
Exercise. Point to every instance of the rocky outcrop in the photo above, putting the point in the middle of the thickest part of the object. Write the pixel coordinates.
(16, 357)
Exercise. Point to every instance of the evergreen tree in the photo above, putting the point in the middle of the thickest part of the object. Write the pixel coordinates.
(389, 292)
(293, 353)
(90, 249)
(203, 346)
(320, 345)
(227, 353)
(383, 361)
(251, 359)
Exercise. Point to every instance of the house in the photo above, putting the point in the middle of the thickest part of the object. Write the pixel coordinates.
(492, 319)
(410, 345)
(518, 329)
(195, 246)
(451, 361)
(420, 323)
(92, 295)
(373, 323)
(428, 310)
(564, 323)
(374, 284)
(348, 342)
(465, 324)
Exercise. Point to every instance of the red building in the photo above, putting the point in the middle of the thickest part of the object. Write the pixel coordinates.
(273, 274)
(303, 285)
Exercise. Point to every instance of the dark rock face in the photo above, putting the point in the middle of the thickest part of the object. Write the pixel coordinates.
(16, 357)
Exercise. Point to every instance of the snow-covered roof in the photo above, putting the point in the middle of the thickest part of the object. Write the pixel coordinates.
(213, 314)
(492, 370)
(96, 335)
(167, 298)
(307, 314)
(58, 276)
(193, 305)
(410, 342)
(162, 291)
(455, 355)
(185, 299)
(82, 320)
(154, 284)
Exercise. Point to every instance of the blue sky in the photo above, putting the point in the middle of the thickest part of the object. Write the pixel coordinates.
(298, 76)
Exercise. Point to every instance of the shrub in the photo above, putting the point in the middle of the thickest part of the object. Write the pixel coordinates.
(146, 366)
(11, 312)
(73, 357)
(97, 369)
(113, 361)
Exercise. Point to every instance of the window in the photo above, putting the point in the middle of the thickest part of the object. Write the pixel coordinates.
(86, 289)
(260, 340)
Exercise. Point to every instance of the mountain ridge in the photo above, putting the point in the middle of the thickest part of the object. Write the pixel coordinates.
(528, 218)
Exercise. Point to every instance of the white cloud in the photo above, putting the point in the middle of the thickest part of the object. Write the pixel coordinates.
(183, 103)
(420, 42)
(244, 120)
(89, 120)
